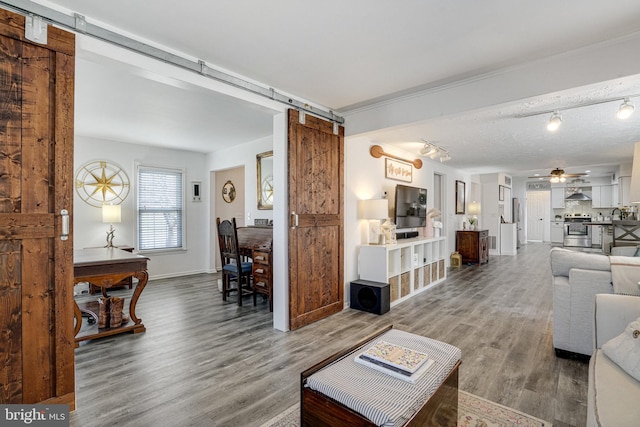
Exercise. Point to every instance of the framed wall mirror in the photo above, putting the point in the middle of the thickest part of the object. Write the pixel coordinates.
(264, 167)
(460, 197)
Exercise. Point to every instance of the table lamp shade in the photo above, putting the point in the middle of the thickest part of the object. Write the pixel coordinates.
(111, 214)
(474, 208)
(373, 209)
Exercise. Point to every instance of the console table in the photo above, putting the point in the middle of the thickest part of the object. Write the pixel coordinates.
(106, 268)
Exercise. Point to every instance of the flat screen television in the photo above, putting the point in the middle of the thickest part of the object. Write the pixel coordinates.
(411, 206)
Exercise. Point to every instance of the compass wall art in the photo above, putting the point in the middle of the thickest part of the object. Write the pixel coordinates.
(102, 182)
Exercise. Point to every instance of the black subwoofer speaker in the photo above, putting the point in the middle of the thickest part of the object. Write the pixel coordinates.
(373, 297)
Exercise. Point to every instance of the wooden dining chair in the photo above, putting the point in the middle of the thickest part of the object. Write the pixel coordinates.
(233, 268)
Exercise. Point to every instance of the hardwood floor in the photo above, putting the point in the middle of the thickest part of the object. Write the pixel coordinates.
(203, 362)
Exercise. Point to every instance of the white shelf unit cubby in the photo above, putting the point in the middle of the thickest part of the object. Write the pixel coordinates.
(409, 266)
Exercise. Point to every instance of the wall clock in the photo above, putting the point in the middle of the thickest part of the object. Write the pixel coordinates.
(228, 192)
(100, 182)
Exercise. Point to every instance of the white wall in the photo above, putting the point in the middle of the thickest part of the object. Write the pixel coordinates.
(365, 179)
(87, 220)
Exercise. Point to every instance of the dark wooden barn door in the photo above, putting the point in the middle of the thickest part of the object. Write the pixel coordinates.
(36, 178)
(316, 188)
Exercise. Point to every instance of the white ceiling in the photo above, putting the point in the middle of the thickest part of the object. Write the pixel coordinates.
(344, 55)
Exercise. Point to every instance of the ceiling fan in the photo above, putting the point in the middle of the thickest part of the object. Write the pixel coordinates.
(558, 175)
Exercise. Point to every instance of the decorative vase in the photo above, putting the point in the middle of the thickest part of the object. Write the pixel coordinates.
(428, 229)
(389, 231)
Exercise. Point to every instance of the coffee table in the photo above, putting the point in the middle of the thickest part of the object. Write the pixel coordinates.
(339, 391)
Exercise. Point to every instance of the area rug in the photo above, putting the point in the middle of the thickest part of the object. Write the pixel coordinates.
(473, 411)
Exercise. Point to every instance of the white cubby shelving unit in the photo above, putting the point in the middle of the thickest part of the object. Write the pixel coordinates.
(409, 266)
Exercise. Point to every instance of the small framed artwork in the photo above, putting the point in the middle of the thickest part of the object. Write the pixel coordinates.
(501, 193)
(460, 197)
(398, 170)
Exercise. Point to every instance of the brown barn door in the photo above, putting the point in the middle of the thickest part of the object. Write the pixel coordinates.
(36, 177)
(316, 188)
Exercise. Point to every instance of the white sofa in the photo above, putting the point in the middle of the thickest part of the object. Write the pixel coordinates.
(613, 397)
(577, 278)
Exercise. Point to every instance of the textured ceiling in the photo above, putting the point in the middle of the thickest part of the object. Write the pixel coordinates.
(349, 54)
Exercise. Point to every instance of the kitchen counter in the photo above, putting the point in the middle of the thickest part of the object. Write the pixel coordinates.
(598, 223)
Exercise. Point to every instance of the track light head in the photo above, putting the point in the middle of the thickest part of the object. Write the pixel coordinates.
(434, 151)
(428, 149)
(554, 122)
(626, 109)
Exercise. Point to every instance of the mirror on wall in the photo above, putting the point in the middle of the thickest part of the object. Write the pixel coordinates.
(265, 180)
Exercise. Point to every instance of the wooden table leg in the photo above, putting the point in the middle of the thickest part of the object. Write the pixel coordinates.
(142, 277)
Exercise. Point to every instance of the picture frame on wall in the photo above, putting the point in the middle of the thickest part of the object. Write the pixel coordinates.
(501, 193)
(398, 170)
(460, 197)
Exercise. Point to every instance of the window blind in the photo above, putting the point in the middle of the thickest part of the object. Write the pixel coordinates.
(160, 208)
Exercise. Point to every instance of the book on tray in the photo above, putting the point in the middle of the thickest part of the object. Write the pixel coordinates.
(398, 361)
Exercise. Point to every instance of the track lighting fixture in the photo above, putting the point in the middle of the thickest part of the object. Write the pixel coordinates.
(428, 149)
(625, 110)
(554, 122)
(433, 151)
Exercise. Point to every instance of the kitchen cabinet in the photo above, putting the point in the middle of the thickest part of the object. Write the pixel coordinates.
(473, 246)
(508, 239)
(557, 197)
(596, 235)
(557, 232)
(624, 187)
(602, 196)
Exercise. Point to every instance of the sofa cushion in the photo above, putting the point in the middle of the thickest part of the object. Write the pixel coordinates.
(624, 349)
(563, 260)
(613, 394)
(625, 273)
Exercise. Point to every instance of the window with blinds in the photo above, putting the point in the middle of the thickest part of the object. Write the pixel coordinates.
(160, 209)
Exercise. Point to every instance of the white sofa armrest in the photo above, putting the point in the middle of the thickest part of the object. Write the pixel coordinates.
(612, 315)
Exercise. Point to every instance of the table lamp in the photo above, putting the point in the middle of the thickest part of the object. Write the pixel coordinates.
(111, 214)
(474, 210)
(374, 210)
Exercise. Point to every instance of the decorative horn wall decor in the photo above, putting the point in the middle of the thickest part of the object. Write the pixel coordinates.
(377, 152)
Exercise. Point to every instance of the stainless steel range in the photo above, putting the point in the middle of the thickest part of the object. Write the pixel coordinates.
(576, 232)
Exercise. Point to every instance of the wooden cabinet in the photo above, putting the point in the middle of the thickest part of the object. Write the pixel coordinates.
(473, 246)
(262, 275)
(410, 266)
